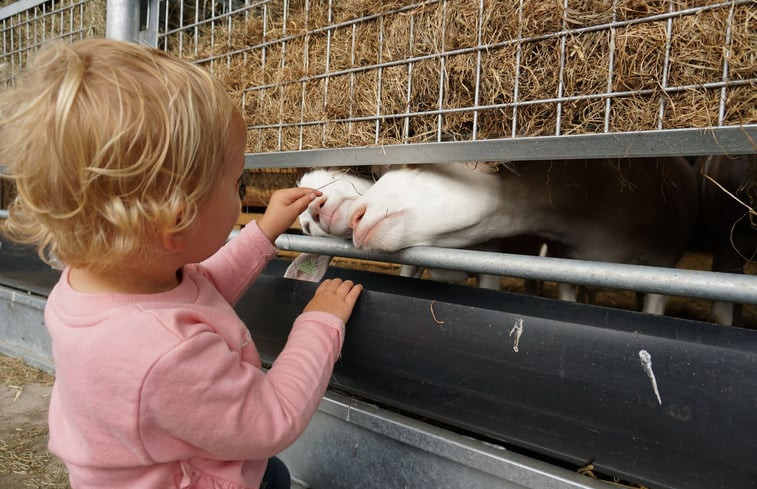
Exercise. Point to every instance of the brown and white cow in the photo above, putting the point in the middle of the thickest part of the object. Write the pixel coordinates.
(638, 211)
(728, 226)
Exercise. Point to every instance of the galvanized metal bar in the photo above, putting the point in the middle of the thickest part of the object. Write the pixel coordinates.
(669, 142)
(149, 36)
(418, 454)
(516, 84)
(610, 67)
(122, 20)
(19, 6)
(726, 57)
(22, 328)
(669, 281)
(666, 65)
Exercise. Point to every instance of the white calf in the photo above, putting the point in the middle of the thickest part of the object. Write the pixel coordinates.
(627, 211)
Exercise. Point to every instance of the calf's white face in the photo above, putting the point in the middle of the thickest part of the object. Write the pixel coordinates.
(329, 214)
(442, 205)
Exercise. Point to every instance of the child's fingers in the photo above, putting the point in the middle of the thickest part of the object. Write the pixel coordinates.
(340, 287)
(348, 291)
(353, 294)
(291, 195)
(304, 201)
(345, 287)
(330, 283)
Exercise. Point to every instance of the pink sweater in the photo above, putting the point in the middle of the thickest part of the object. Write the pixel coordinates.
(166, 390)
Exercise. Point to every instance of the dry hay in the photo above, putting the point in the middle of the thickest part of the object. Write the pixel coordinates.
(260, 184)
(24, 459)
(15, 373)
(296, 97)
(23, 455)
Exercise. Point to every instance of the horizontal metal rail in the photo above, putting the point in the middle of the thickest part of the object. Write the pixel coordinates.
(669, 142)
(669, 281)
(18, 7)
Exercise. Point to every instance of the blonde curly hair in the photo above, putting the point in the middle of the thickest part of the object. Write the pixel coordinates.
(110, 144)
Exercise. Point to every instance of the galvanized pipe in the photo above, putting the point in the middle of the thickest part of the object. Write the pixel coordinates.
(669, 281)
(638, 144)
(122, 20)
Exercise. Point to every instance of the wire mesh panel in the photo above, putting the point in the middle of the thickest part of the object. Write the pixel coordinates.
(332, 74)
(27, 25)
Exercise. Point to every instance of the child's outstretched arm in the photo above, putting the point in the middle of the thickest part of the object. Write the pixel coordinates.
(240, 262)
(283, 208)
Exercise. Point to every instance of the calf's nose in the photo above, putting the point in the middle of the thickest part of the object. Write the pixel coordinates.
(315, 207)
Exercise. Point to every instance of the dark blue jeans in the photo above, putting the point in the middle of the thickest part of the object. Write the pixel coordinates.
(276, 475)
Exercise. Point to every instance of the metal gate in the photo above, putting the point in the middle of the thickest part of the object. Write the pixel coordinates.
(332, 83)
(522, 80)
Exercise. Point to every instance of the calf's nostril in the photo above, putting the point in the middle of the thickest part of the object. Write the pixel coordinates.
(357, 215)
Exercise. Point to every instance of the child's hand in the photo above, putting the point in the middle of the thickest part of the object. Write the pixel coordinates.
(283, 208)
(336, 297)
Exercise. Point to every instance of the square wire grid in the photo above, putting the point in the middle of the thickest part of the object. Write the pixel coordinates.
(27, 25)
(328, 73)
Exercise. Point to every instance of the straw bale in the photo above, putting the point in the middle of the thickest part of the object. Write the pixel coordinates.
(638, 113)
(696, 48)
(743, 55)
(741, 105)
(587, 63)
(365, 74)
(636, 9)
(640, 56)
(690, 107)
(583, 116)
(498, 75)
(541, 17)
(537, 120)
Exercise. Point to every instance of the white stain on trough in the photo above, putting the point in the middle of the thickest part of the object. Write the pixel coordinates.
(516, 332)
(646, 364)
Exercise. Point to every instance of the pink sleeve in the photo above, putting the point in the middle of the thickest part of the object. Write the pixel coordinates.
(202, 400)
(239, 262)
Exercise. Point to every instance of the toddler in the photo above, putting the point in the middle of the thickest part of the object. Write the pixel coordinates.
(127, 164)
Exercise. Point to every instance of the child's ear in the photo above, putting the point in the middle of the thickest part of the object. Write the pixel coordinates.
(173, 242)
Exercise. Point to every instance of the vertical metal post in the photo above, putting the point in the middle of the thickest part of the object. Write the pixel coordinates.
(149, 22)
(122, 20)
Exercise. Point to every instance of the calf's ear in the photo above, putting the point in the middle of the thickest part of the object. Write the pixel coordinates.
(308, 267)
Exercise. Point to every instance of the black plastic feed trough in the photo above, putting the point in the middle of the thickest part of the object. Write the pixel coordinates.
(660, 401)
